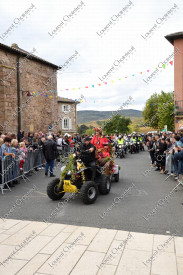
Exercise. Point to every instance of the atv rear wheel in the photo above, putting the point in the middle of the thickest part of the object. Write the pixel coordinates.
(52, 190)
(89, 192)
(104, 184)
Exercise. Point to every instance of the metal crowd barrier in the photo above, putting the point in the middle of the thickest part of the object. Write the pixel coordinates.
(10, 171)
(64, 152)
(170, 168)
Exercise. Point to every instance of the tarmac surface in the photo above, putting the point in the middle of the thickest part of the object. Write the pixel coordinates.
(141, 201)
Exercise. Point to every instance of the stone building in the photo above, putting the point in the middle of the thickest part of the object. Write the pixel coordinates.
(67, 113)
(176, 39)
(28, 91)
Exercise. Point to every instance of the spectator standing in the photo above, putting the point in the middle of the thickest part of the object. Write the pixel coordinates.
(26, 139)
(49, 151)
(15, 150)
(151, 150)
(20, 135)
(22, 156)
(6, 151)
(6, 148)
(59, 144)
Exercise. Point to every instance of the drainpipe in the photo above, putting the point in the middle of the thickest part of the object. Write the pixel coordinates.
(75, 116)
(18, 94)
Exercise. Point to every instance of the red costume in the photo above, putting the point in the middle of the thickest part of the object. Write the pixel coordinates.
(99, 141)
(101, 145)
(103, 152)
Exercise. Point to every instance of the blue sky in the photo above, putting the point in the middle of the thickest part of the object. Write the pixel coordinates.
(96, 54)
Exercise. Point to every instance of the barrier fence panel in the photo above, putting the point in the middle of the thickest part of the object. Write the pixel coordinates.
(10, 168)
(1, 173)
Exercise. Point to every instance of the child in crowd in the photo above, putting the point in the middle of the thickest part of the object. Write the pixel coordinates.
(22, 155)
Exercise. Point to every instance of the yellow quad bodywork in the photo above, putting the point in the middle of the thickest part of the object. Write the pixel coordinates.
(79, 166)
(69, 187)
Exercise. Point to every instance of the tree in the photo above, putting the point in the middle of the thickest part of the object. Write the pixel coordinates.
(82, 129)
(158, 110)
(117, 122)
(99, 122)
(89, 132)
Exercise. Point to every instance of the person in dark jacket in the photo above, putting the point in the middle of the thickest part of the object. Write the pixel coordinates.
(151, 150)
(161, 150)
(49, 151)
(87, 152)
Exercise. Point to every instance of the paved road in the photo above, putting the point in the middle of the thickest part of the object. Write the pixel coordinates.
(131, 212)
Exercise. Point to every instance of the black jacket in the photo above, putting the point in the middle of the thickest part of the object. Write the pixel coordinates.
(49, 149)
(87, 156)
(162, 148)
(151, 145)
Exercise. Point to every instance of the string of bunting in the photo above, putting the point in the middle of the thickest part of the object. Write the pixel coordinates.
(94, 101)
(44, 95)
(112, 81)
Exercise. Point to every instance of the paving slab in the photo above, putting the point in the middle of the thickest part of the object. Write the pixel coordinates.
(74, 250)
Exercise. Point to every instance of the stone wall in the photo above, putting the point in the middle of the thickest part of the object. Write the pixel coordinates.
(39, 111)
(8, 91)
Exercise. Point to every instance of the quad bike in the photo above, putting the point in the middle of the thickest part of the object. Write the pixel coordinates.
(120, 152)
(81, 183)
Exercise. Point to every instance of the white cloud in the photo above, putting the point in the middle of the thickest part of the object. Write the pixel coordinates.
(97, 54)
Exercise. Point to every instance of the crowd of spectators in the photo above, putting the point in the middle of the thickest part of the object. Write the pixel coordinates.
(166, 153)
(166, 150)
(18, 146)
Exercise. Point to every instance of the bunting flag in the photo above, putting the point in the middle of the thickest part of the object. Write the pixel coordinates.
(164, 66)
(97, 101)
(44, 93)
(99, 84)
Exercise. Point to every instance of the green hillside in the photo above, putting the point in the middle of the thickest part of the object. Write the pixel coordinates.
(89, 115)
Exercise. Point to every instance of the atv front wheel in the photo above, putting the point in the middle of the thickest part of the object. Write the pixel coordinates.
(53, 191)
(104, 184)
(89, 192)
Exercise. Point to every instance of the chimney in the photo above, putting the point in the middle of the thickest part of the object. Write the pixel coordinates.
(15, 46)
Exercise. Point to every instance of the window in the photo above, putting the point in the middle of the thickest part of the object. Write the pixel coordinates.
(66, 123)
(65, 108)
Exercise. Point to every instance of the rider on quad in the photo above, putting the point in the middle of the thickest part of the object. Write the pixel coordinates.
(87, 154)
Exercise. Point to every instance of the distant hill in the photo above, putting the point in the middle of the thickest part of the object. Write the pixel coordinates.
(89, 115)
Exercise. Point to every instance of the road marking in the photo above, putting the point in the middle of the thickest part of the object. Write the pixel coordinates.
(40, 193)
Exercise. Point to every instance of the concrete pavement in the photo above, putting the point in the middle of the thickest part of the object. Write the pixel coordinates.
(149, 206)
(28, 248)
